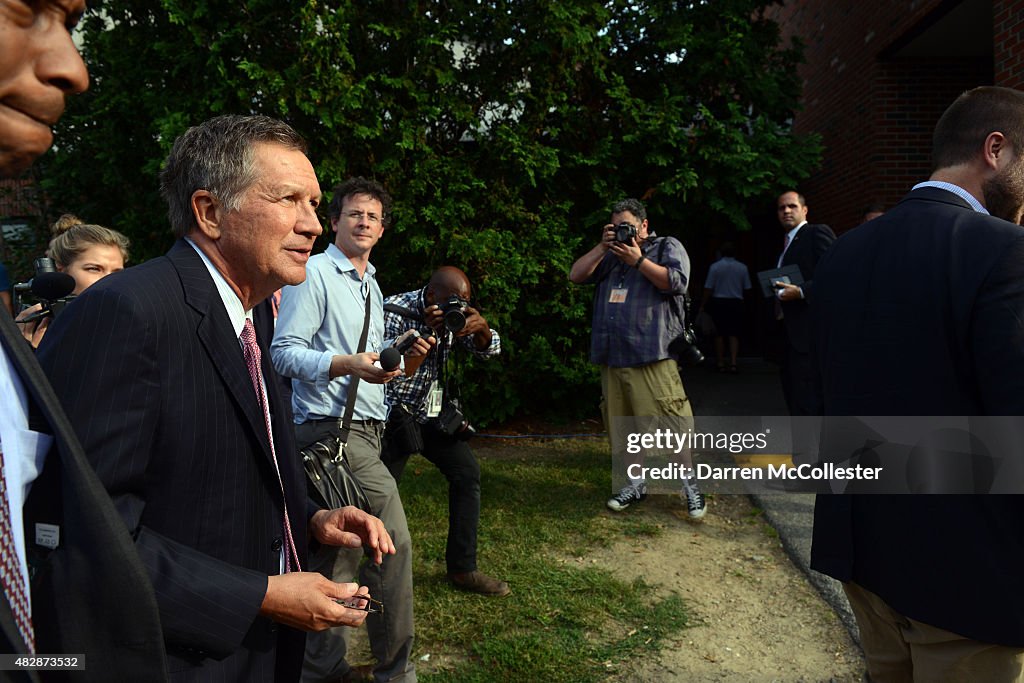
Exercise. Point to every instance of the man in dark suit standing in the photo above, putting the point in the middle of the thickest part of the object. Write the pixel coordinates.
(803, 245)
(164, 378)
(921, 312)
(90, 594)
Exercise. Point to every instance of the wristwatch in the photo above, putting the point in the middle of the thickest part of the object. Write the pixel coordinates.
(639, 261)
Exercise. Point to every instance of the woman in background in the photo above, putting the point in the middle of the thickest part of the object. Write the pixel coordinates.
(84, 251)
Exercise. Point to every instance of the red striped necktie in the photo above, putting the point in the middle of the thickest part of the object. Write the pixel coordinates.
(253, 358)
(10, 568)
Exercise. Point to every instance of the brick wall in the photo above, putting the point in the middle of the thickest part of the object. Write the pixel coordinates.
(910, 97)
(1009, 46)
(876, 112)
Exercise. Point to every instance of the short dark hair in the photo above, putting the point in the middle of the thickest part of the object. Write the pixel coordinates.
(360, 185)
(727, 249)
(634, 206)
(217, 156)
(963, 127)
(801, 200)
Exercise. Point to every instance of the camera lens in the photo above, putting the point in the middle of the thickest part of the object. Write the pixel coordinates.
(454, 320)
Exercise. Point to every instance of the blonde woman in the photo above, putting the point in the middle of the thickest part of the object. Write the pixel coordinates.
(84, 251)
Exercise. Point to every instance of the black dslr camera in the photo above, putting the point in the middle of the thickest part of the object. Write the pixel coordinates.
(51, 287)
(625, 232)
(453, 422)
(454, 311)
(685, 345)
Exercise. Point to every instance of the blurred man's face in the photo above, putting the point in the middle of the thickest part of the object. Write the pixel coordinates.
(791, 212)
(39, 65)
(1004, 193)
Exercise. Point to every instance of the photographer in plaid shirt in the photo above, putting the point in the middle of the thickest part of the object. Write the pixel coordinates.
(637, 273)
(416, 398)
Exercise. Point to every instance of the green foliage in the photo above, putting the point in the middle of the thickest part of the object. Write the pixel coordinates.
(504, 131)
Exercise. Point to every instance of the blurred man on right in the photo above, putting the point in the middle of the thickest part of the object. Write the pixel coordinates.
(921, 312)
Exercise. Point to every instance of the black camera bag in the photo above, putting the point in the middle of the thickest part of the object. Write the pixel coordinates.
(403, 435)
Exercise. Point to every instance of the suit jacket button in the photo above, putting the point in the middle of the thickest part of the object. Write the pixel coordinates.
(277, 544)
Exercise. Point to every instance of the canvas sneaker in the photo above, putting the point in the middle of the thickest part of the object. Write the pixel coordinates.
(695, 503)
(627, 496)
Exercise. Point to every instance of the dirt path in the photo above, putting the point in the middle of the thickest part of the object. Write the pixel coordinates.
(754, 616)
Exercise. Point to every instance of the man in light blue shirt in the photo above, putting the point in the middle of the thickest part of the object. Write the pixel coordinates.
(316, 344)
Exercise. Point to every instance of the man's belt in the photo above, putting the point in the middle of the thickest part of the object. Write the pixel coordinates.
(361, 423)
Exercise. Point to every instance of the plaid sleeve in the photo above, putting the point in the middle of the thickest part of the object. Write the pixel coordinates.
(493, 349)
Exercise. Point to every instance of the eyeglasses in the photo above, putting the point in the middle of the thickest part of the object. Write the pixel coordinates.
(371, 218)
(363, 603)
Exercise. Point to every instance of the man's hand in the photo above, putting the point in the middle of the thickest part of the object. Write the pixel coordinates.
(433, 316)
(417, 353)
(627, 253)
(350, 527)
(475, 323)
(787, 292)
(306, 601)
(477, 326)
(607, 236)
(362, 366)
(422, 346)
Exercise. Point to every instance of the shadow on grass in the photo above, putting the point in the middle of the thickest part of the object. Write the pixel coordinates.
(543, 506)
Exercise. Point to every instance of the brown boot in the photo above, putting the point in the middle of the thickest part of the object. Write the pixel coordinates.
(478, 582)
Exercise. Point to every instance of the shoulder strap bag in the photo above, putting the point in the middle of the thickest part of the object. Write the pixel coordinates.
(331, 482)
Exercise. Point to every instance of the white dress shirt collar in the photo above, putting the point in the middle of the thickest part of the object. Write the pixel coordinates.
(232, 304)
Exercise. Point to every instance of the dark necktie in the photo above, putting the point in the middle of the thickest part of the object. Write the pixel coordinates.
(10, 569)
(253, 358)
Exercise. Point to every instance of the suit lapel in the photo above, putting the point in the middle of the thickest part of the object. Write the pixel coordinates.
(218, 338)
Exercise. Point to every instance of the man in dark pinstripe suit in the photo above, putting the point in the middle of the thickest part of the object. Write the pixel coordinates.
(151, 369)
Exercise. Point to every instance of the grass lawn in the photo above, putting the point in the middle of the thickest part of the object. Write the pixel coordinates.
(543, 507)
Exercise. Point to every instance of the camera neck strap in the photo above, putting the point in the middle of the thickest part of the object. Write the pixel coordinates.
(350, 401)
(684, 314)
(446, 352)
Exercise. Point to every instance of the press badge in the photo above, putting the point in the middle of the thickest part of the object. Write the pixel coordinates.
(47, 535)
(618, 295)
(434, 399)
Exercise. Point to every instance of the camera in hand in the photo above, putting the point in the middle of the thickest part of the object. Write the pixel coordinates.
(625, 232)
(454, 311)
(405, 340)
(453, 422)
(51, 287)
